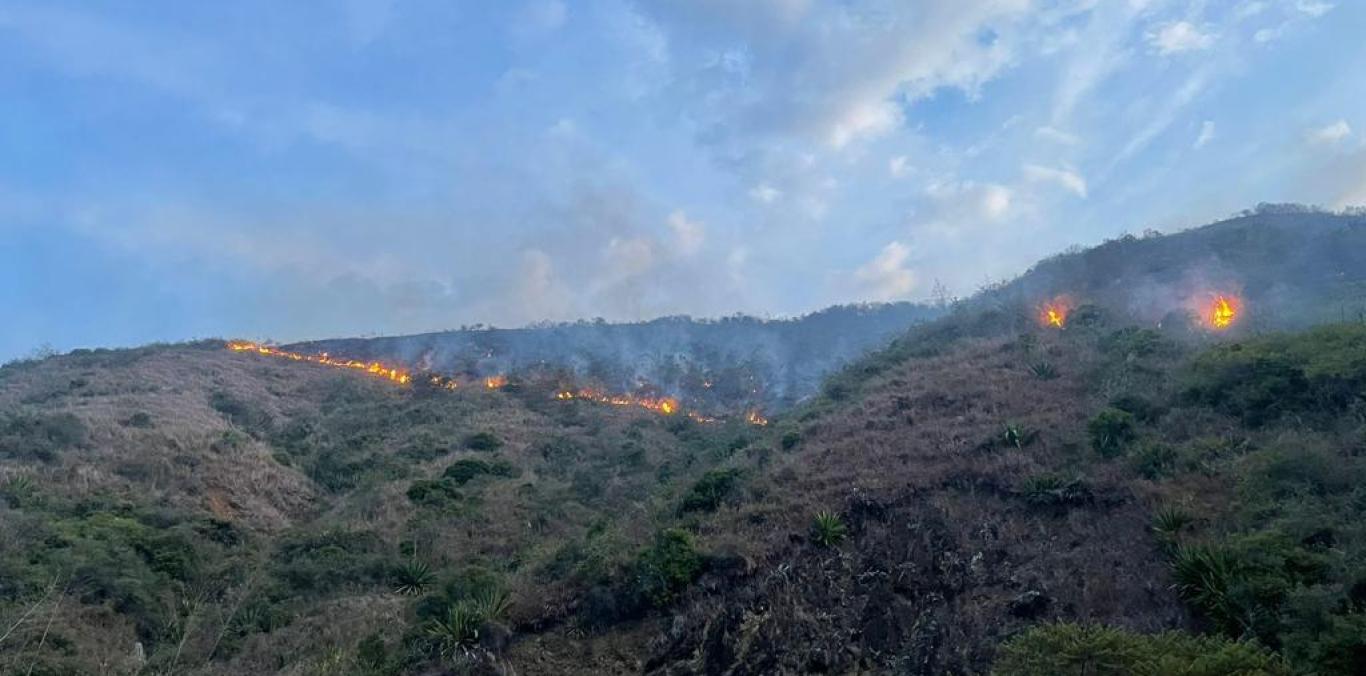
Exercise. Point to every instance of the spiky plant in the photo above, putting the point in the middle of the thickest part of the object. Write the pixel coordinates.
(1044, 370)
(1210, 579)
(828, 529)
(412, 578)
(1170, 520)
(457, 631)
(1013, 436)
(490, 603)
(19, 490)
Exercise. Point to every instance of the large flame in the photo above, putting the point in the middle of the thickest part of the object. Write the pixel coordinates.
(1222, 312)
(495, 382)
(1053, 313)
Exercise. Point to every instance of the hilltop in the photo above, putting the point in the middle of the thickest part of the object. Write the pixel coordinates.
(985, 492)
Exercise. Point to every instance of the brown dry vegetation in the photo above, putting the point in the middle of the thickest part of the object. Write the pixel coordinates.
(969, 497)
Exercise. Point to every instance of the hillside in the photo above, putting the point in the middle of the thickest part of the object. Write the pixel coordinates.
(987, 493)
(717, 366)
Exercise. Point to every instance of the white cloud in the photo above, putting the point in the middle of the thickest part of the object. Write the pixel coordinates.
(1179, 36)
(886, 276)
(897, 166)
(1055, 135)
(1249, 9)
(1332, 134)
(1206, 134)
(828, 73)
(866, 120)
(765, 193)
(538, 18)
(688, 235)
(1067, 179)
(1314, 8)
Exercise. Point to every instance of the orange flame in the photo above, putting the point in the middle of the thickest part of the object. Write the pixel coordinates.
(495, 382)
(1053, 313)
(374, 368)
(754, 418)
(1222, 312)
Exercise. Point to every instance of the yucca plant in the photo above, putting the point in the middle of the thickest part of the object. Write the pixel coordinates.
(490, 603)
(19, 490)
(828, 529)
(412, 578)
(1044, 370)
(457, 631)
(1209, 578)
(1170, 520)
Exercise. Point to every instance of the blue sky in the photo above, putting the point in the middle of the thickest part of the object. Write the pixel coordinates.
(171, 170)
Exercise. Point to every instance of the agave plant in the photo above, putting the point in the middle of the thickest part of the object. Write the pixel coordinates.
(1169, 521)
(457, 631)
(1209, 578)
(1044, 370)
(412, 578)
(490, 603)
(828, 529)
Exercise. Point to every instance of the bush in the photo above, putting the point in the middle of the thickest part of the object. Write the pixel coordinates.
(464, 470)
(1155, 460)
(1044, 370)
(1066, 649)
(433, 493)
(40, 436)
(1053, 490)
(827, 529)
(790, 439)
(1319, 373)
(483, 441)
(665, 568)
(250, 418)
(710, 491)
(412, 578)
(1111, 431)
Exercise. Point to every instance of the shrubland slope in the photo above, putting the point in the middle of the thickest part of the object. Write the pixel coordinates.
(986, 493)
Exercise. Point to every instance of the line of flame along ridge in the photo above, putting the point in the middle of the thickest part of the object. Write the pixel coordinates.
(661, 405)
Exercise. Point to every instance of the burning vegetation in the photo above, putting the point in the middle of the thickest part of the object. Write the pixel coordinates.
(1222, 312)
(1053, 313)
(374, 368)
(658, 404)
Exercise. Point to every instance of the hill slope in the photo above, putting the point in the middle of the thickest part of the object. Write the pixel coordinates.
(189, 509)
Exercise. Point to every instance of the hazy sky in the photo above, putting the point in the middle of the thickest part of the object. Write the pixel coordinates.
(289, 170)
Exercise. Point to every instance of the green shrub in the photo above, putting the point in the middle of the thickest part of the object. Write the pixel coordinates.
(1044, 370)
(827, 529)
(139, 420)
(1111, 431)
(790, 439)
(412, 578)
(40, 437)
(665, 568)
(1017, 437)
(1319, 373)
(1066, 649)
(433, 493)
(250, 418)
(1054, 490)
(1169, 521)
(710, 491)
(330, 561)
(1155, 460)
(1131, 342)
(483, 441)
(464, 470)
